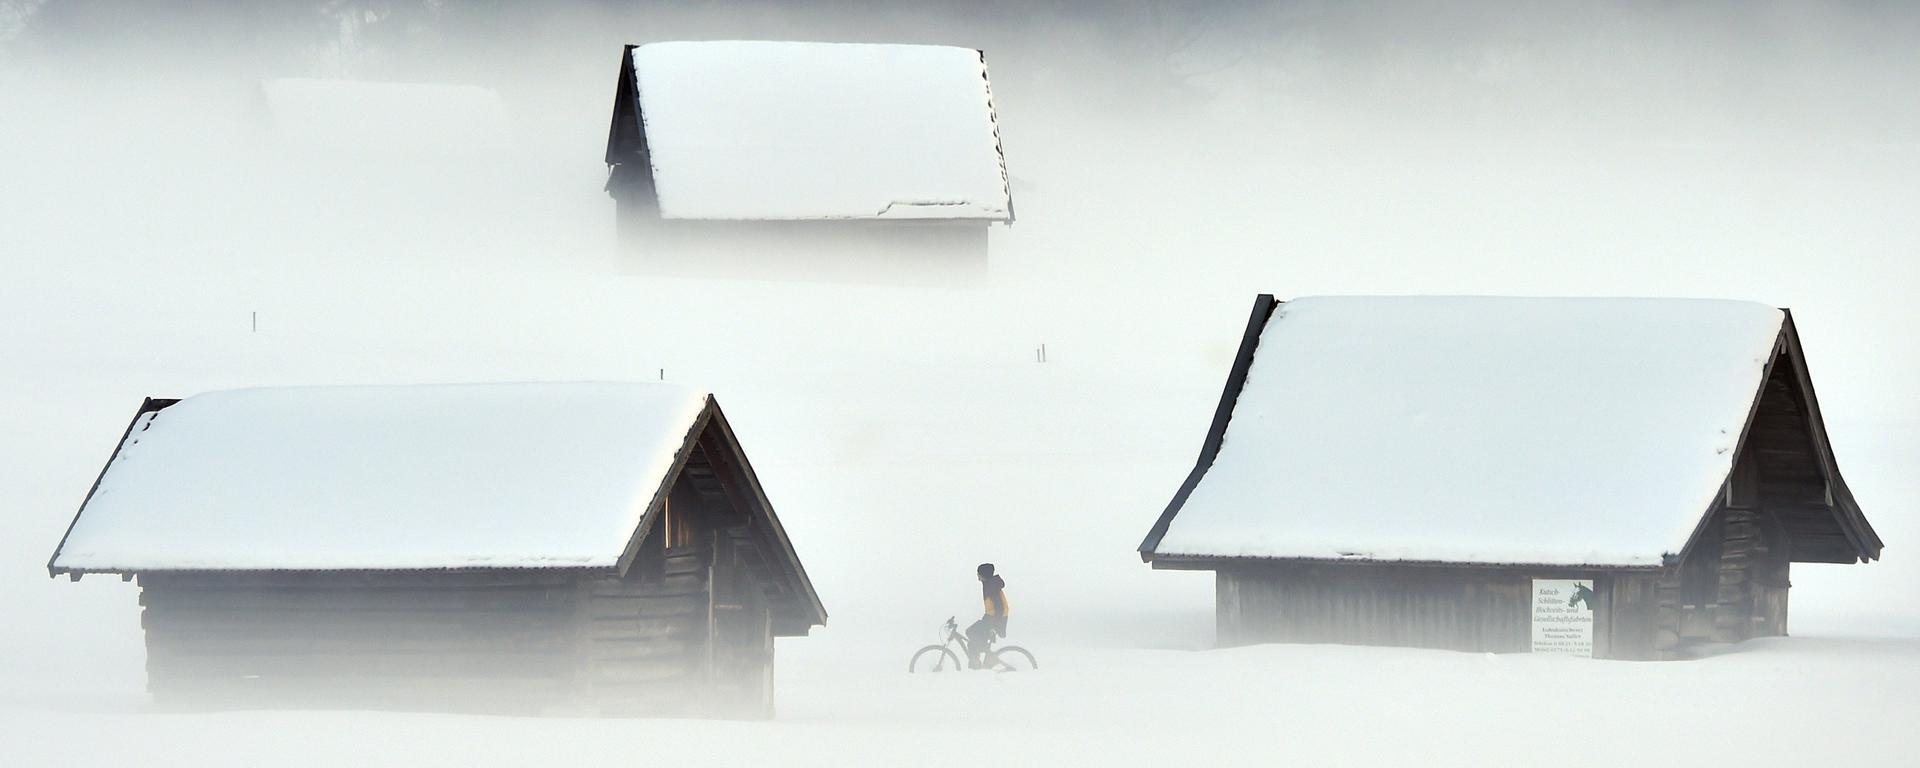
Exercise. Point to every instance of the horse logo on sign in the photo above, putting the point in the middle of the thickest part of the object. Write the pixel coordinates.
(1582, 593)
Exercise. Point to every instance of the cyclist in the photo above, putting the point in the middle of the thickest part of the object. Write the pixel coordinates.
(993, 596)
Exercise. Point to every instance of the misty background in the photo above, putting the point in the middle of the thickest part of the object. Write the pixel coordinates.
(163, 233)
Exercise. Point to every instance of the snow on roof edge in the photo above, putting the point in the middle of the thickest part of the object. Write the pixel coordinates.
(1181, 559)
(701, 402)
(698, 201)
(1269, 309)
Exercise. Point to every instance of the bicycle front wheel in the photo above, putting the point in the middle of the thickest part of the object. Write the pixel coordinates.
(1013, 658)
(934, 658)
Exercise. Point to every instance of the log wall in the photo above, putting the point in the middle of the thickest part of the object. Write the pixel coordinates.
(1449, 608)
(644, 646)
(390, 642)
(622, 646)
(686, 631)
(1775, 509)
(1481, 610)
(1732, 587)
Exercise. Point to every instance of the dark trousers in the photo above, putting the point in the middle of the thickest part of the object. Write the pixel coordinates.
(979, 638)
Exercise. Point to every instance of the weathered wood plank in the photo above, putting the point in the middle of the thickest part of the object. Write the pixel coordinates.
(640, 631)
(359, 601)
(248, 580)
(631, 651)
(681, 583)
(646, 606)
(345, 620)
(1420, 607)
(396, 641)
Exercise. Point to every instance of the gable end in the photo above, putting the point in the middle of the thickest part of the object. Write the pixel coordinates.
(629, 161)
(1263, 309)
(1790, 472)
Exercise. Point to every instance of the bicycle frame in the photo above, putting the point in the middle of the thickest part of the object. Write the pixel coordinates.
(991, 657)
(955, 638)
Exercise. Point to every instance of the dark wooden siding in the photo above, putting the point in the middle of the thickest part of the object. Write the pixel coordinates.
(686, 631)
(1449, 608)
(1783, 502)
(694, 636)
(1628, 616)
(1786, 478)
(1483, 610)
(644, 643)
(396, 641)
(1731, 586)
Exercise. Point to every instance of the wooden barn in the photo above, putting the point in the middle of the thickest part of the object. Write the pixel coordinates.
(525, 548)
(805, 153)
(1622, 478)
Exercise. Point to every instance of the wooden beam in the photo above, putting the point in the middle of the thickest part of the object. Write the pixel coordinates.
(1263, 309)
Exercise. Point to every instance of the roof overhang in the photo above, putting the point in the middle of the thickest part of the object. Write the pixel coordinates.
(1787, 350)
(628, 144)
(1263, 306)
(710, 426)
(1195, 563)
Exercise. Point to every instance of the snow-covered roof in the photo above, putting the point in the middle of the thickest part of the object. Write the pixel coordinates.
(367, 478)
(1478, 430)
(782, 130)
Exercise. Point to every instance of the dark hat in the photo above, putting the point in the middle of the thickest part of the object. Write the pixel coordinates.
(985, 569)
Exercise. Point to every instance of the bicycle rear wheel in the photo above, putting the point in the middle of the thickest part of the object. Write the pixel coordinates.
(1013, 658)
(935, 658)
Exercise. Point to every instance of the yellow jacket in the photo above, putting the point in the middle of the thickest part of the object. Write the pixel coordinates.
(997, 606)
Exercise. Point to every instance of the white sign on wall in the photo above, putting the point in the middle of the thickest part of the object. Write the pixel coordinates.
(1563, 616)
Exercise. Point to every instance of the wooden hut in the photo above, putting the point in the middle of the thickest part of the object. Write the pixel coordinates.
(495, 547)
(799, 151)
(1626, 478)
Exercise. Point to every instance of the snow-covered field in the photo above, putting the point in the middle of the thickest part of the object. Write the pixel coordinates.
(1166, 169)
(1789, 701)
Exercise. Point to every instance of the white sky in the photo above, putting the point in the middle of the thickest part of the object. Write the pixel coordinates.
(1707, 151)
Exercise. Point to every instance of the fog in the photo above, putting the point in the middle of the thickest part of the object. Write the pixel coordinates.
(162, 234)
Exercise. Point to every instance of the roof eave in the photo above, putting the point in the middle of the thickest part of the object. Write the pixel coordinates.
(1215, 562)
(1263, 308)
(54, 569)
(129, 572)
(631, 552)
(1848, 516)
(622, 91)
(789, 556)
(990, 219)
(1846, 508)
(629, 88)
(999, 149)
(1739, 445)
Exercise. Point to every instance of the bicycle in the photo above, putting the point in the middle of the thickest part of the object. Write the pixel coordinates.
(941, 658)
